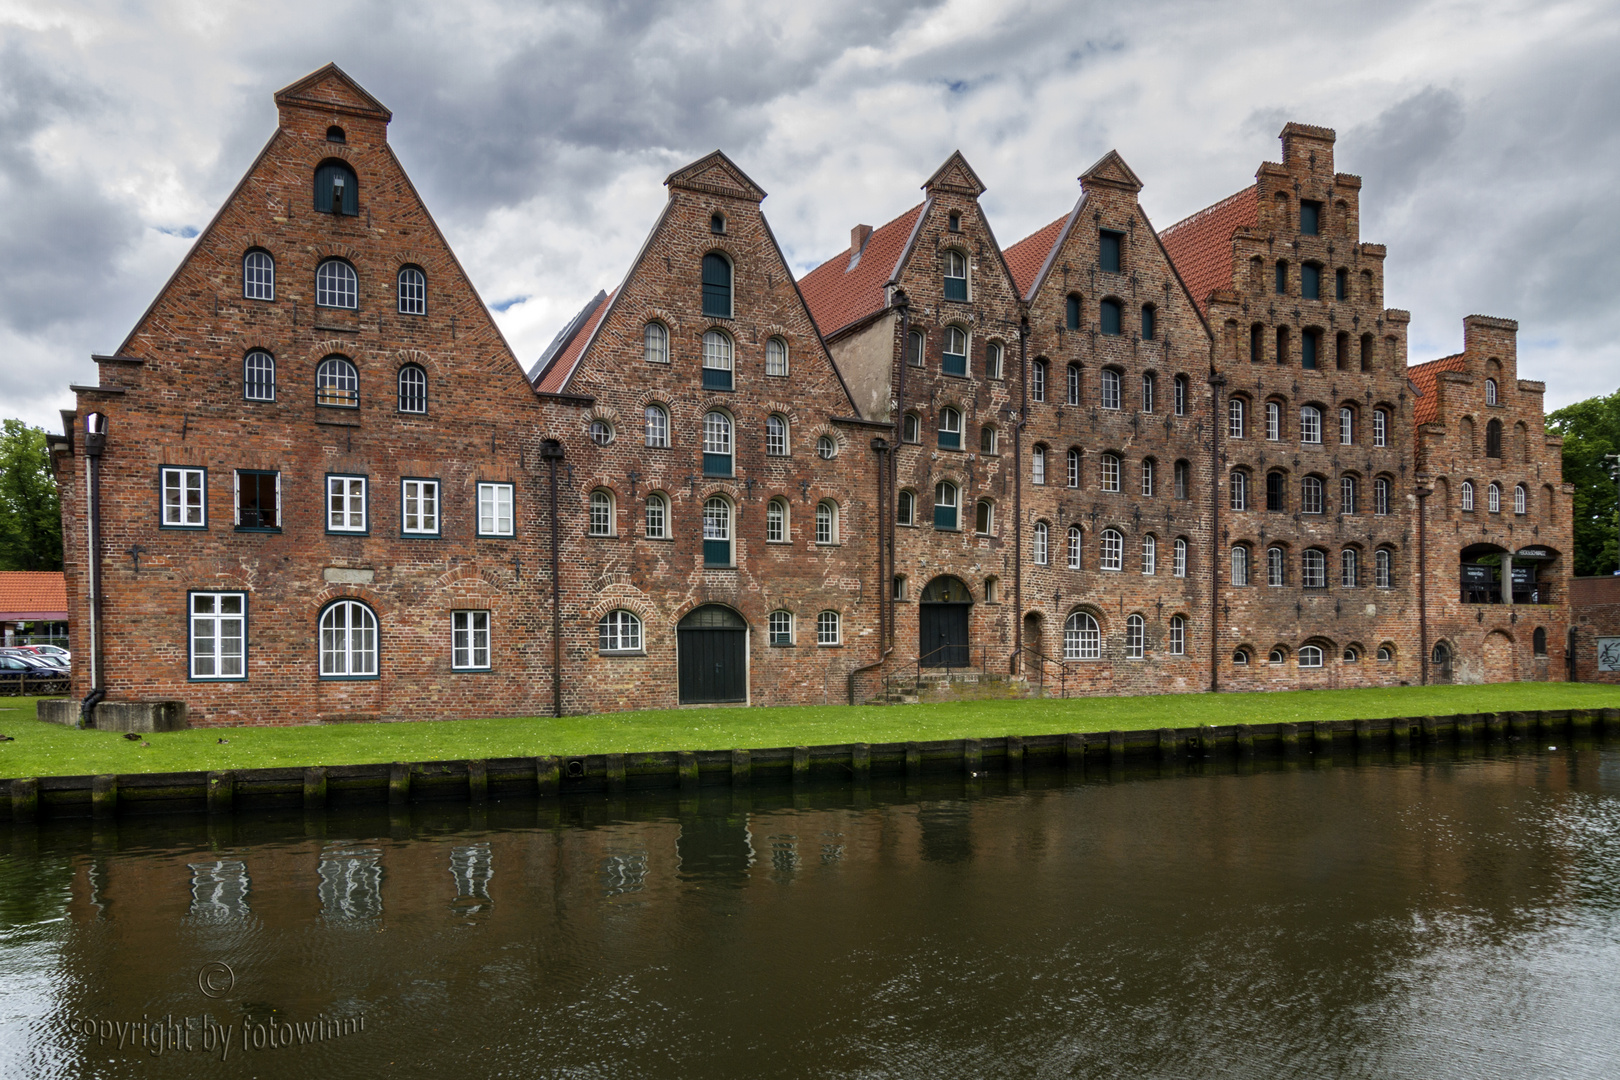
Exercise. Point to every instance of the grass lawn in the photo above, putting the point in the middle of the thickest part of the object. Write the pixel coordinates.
(42, 749)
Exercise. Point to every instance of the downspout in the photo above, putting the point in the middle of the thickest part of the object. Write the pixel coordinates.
(95, 441)
(1018, 495)
(1217, 461)
(903, 302)
(552, 451)
(1423, 584)
(880, 446)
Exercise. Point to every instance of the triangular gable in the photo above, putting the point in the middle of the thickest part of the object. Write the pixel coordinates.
(330, 88)
(716, 174)
(1111, 171)
(955, 175)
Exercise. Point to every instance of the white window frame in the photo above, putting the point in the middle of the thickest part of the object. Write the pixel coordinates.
(992, 360)
(1383, 567)
(220, 655)
(718, 352)
(1237, 487)
(1493, 497)
(1149, 387)
(602, 513)
(1073, 467)
(780, 629)
(655, 426)
(1276, 568)
(829, 629)
(1310, 425)
(776, 358)
(1348, 500)
(268, 364)
(1178, 636)
(1349, 568)
(826, 447)
(1150, 555)
(1135, 637)
(1490, 391)
(1037, 465)
(1072, 384)
(1273, 422)
(346, 504)
(412, 295)
(1037, 381)
(469, 641)
(655, 343)
(619, 632)
(1381, 496)
(1110, 389)
(1147, 477)
(1082, 638)
(1313, 569)
(497, 509)
(776, 435)
(1179, 558)
(236, 496)
(905, 512)
(1347, 426)
(183, 498)
(408, 398)
(826, 522)
(1112, 552)
(1312, 497)
(337, 383)
(1240, 564)
(1310, 656)
(1521, 499)
(1110, 472)
(655, 517)
(776, 521)
(257, 284)
(334, 288)
(1076, 547)
(1180, 385)
(418, 507)
(353, 650)
(1039, 544)
(1465, 495)
(1380, 427)
(1234, 418)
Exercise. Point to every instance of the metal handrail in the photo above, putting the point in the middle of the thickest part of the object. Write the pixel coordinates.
(1015, 662)
(913, 668)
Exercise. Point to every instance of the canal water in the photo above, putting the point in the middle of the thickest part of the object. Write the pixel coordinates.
(1443, 917)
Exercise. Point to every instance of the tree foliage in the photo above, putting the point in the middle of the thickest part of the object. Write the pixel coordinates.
(30, 513)
(1591, 429)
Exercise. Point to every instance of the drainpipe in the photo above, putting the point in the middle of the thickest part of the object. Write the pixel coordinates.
(95, 441)
(1217, 462)
(880, 446)
(903, 303)
(1423, 585)
(551, 450)
(1018, 495)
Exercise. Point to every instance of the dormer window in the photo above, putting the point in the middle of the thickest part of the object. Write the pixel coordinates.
(335, 134)
(337, 191)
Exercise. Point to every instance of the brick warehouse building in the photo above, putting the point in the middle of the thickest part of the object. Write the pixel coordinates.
(1106, 458)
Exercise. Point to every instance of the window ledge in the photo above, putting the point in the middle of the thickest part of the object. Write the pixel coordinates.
(257, 529)
(621, 652)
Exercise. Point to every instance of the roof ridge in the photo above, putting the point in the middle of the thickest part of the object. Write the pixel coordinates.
(1212, 208)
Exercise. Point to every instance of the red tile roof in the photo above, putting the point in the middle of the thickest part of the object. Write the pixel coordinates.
(1201, 245)
(555, 377)
(1426, 410)
(33, 594)
(838, 294)
(1026, 257)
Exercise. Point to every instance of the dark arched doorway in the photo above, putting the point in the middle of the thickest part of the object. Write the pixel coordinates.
(942, 623)
(713, 645)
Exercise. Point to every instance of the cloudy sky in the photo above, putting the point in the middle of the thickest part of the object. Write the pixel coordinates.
(1488, 136)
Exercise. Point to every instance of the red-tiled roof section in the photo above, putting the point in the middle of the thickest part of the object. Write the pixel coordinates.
(33, 594)
(838, 295)
(1026, 257)
(1201, 245)
(1424, 376)
(556, 377)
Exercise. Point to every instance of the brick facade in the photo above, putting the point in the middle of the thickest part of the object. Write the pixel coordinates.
(789, 418)
(1594, 604)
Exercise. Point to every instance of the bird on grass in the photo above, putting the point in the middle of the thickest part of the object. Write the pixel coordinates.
(224, 740)
(131, 736)
(8, 738)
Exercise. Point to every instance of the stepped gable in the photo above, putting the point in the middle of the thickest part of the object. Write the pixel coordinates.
(1426, 410)
(1027, 256)
(849, 286)
(1200, 246)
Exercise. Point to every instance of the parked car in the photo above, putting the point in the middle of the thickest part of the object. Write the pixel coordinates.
(50, 650)
(25, 673)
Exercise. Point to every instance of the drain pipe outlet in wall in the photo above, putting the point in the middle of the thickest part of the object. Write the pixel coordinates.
(551, 451)
(95, 442)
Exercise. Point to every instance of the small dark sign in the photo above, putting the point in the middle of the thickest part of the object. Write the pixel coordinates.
(1533, 553)
(1475, 574)
(1524, 576)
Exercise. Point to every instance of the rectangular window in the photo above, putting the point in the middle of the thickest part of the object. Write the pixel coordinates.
(495, 510)
(258, 499)
(1341, 285)
(1109, 251)
(183, 499)
(1310, 218)
(1181, 396)
(219, 635)
(827, 628)
(419, 512)
(469, 640)
(1037, 380)
(1234, 418)
(1110, 472)
(345, 504)
(1282, 282)
(781, 628)
(1273, 421)
(1310, 282)
(1380, 426)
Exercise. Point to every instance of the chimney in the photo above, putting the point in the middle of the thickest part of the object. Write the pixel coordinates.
(858, 237)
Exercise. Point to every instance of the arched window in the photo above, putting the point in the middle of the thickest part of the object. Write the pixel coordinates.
(776, 357)
(337, 191)
(412, 291)
(1040, 544)
(1310, 656)
(776, 436)
(1180, 561)
(1073, 386)
(1466, 495)
(945, 505)
(1150, 384)
(1349, 503)
(1240, 565)
(337, 383)
(601, 432)
(1181, 395)
(1313, 566)
(618, 632)
(1150, 555)
(776, 520)
(717, 532)
(601, 523)
(954, 359)
(412, 389)
(1493, 498)
(657, 426)
(1037, 465)
(716, 286)
(655, 343)
(258, 276)
(950, 429)
(906, 513)
(1178, 636)
(1150, 322)
(1276, 567)
(1111, 320)
(1112, 556)
(1081, 638)
(1310, 424)
(826, 523)
(911, 428)
(717, 362)
(1310, 495)
(1278, 656)
(657, 518)
(984, 517)
(1273, 421)
(1493, 439)
(956, 285)
(1352, 655)
(716, 444)
(1383, 567)
(914, 349)
(336, 285)
(1520, 499)
(1075, 548)
(1381, 496)
(1234, 417)
(1538, 641)
(1110, 472)
(336, 134)
(1182, 475)
(1237, 485)
(1385, 653)
(1071, 308)
(1037, 380)
(1276, 492)
(826, 447)
(1240, 657)
(1490, 391)
(827, 628)
(1135, 637)
(348, 641)
(987, 439)
(992, 360)
(1380, 427)
(1110, 389)
(1349, 568)
(717, 224)
(1147, 477)
(259, 376)
(1347, 426)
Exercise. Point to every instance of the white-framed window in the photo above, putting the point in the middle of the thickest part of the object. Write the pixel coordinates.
(1037, 381)
(1310, 656)
(1074, 467)
(992, 360)
(656, 420)
(776, 436)
(1310, 495)
(1082, 640)
(601, 432)
(1150, 554)
(1113, 550)
(619, 632)
(1352, 655)
(1110, 388)
(219, 635)
(1347, 426)
(1135, 637)
(346, 504)
(412, 389)
(1349, 500)
(826, 447)
(348, 641)
(984, 517)
(1235, 408)
(906, 509)
(717, 532)
(1490, 391)
(655, 343)
(1072, 397)
(1520, 499)
(657, 517)
(1037, 465)
(1466, 494)
(1147, 476)
(336, 285)
(776, 357)
(946, 505)
(259, 376)
(716, 444)
(956, 283)
(1493, 498)
(258, 276)
(495, 516)
(1313, 567)
(950, 429)
(827, 628)
(337, 383)
(1380, 428)
(1178, 636)
(1240, 565)
(1383, 567)
(1076, 548)
(1150, 384)
(1278, 656)
(1110, 472)
(911, 428)
(954, 356)
(419, 507)
(914, 349)
(469, 641)
(1273, 421)
(776, 521)
(1180, 557)
(1310, 425)
(781, 624)
(185, 504)
(1181, 395)
(826, 523)
(988, 440)
(1276, 567)
(1385, 653)
(1349, 568)
(412, 292)
(716, 361)
(1381, 496)
(1038, 550)
(601, 523)
(1237, 487)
